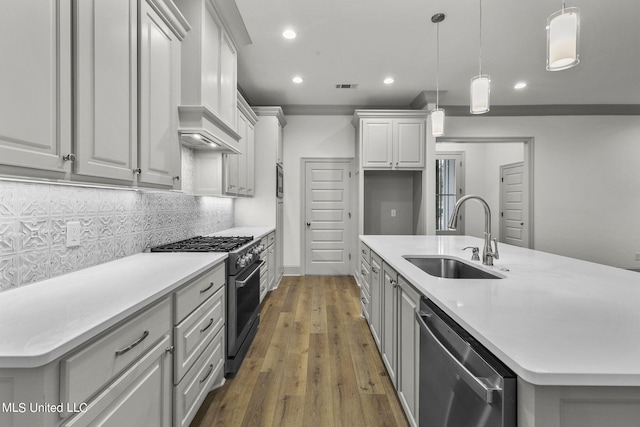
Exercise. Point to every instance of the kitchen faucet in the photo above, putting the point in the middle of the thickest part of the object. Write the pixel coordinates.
(488, 252)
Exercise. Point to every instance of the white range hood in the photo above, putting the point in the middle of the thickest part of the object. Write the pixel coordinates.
(208, 111)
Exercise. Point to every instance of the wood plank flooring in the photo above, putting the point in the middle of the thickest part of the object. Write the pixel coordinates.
(312, 363)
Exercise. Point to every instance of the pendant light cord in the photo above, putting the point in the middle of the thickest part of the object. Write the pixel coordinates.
(437, 63)
(480, 38)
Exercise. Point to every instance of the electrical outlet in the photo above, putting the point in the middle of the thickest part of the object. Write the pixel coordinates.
(73, 234)
(637, 256)
(393, 212)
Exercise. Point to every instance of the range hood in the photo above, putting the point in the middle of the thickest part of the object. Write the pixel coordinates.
(208, 110)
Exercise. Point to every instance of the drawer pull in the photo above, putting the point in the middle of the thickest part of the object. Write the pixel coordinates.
(364, 251)
(202, 291)
(145, 334)
(208, 373)
(208, 326)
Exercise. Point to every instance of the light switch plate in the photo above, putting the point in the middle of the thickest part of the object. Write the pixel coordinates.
(73, 234)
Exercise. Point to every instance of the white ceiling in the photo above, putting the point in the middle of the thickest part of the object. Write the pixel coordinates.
(364, 41)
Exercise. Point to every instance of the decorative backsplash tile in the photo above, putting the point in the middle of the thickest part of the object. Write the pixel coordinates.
(114, 223)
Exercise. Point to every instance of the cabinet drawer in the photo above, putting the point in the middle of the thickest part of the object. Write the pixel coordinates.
(196, 331)
(89, 369)
(365, 299)
(271, 238)
(198, 291)
(140, 396)
(265, 241)
(194, 387)
(365, 275)
(365, 252)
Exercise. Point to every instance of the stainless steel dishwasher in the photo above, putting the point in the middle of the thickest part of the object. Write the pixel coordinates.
(461, 383)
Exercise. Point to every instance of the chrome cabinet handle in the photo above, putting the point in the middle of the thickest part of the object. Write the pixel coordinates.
(374, 269)
(69, 157)
(145, 334)
(364, 251)
(243, 283)
(208, 326)
(476, 384)
(202, 291)
(208, 373)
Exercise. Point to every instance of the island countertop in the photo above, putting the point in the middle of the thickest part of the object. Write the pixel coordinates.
(553, 320)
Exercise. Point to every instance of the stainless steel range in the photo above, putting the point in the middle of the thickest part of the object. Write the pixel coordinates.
(243, 288)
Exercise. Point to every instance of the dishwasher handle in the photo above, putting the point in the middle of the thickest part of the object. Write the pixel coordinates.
(484, 391)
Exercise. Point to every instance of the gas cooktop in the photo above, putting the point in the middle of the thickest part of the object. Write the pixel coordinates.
(205, 244)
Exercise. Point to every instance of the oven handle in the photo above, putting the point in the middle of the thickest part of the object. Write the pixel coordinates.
(476, 384)
(242, 283)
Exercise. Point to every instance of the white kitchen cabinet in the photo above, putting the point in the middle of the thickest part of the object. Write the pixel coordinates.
(265, 208)
(365, 288)
(391, 140)
(375, 283)
(106, 88)
(408, 343)
(271, 262)
(400, 335)
(240, 168)
(140, 396)
(160, 43)
(389, 338)
(209, 74)
(35, 82)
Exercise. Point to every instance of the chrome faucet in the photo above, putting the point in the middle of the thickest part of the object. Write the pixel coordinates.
(488, 252)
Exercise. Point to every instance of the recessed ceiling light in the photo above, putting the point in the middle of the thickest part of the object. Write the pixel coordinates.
(388, 80)
(520, 85)
(297, 79)
(289, 34)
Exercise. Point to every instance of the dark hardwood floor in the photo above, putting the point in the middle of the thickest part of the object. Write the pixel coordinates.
(312, 363)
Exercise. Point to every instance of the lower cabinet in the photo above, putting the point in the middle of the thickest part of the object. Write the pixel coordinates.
(141, 396)
(393, 306)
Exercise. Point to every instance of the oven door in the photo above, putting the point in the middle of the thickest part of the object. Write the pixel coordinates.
(243, 308)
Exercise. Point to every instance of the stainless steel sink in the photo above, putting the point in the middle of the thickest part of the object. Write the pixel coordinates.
(449, 268)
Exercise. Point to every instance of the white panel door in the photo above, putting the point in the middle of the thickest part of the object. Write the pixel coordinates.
(327, 218)
(514, 213)
(106, 93)
(35, 83)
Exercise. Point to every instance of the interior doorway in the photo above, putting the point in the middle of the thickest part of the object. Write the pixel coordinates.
(449, 188)
(514, 209)
(326, 216)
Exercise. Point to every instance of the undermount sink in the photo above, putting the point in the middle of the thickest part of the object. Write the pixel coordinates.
(449, 268)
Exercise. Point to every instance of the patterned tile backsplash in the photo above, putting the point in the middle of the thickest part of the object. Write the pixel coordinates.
(115, 223)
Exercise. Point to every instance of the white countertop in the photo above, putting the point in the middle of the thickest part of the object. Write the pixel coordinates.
(42, 321)
(553, 320)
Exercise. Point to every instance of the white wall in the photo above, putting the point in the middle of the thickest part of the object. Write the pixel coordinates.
(586, 181)
(482, 178)
(308, 136)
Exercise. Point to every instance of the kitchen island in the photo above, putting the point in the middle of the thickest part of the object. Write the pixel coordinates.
(566, 327)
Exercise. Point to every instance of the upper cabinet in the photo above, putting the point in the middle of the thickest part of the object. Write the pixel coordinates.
(35, 82)
(160, 47)
(100, 107)
(240, 168)
(106, 88)
(208, 110)
(391, 139)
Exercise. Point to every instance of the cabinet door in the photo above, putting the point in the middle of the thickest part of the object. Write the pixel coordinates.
(408, 350)
(279, 241)
(409, 141)
(141, 396)
(376, 297)
(377, 143)
(35, 82)
(251, 160)
(106, 88)
(280, 145)
(389, 320)
(159, 157)
(242, 158)
(228, 76)
(271, 266)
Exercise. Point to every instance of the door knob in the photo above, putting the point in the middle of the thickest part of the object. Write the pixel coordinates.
(308, 224)
(522, 223)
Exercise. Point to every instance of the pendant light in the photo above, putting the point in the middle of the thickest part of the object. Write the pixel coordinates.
(480, 84)
(563, 39)
(437, 115)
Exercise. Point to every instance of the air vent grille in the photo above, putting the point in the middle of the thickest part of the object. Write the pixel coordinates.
(347, 86)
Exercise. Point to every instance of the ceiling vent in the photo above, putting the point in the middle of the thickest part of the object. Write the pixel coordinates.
(347, 86)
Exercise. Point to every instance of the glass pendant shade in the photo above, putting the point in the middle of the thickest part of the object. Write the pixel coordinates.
(563, 39)
(437, 122)
(480, 90)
